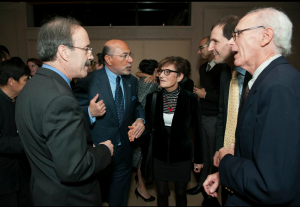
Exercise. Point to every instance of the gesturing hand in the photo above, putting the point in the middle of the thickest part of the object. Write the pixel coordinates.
(211, 184)
(110, 146)
(97, 109)
(138, 129)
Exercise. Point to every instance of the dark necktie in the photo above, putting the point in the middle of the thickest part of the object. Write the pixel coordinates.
(119, 101)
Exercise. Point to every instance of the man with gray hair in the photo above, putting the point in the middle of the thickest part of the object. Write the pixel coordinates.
(264, 166)
(52, 127)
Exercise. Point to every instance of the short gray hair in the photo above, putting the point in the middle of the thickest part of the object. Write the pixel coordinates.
(58, 31)
(281, 25)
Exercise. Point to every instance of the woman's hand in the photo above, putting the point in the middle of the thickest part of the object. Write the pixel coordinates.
(197, 167)
(149, 79)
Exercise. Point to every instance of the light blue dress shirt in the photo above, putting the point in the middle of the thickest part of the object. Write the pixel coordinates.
(58, 72)
(241, 78)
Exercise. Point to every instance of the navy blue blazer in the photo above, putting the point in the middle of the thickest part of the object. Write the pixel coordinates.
(266, 166)
(107, 127)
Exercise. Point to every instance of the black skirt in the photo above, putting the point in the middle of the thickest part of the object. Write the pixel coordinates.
(175, 172)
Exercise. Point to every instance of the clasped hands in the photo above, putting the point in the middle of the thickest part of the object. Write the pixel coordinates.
(136, 130)
(199, 91)
(212, 181)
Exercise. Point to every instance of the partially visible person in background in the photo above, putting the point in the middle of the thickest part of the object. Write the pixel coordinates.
(6, 51)
(99, 61)
(146, 67)
(3, 56)
(14, 166)
(149, 78)
(17, 59)
(186, 82)
(34, 64)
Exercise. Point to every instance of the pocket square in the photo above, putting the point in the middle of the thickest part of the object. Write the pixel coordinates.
(133, 97)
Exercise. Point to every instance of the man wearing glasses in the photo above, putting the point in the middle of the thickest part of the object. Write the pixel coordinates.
(209, 98)
(55, 135)
(263, 168)
(108, 98)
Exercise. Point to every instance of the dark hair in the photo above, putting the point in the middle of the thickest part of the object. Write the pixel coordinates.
(17, 59)
(58, 31)
(14, 69)
(148, 66)
(207, 40)
(229, 22)
(3, 48)
(2, 55)
(36, 61)
(100, 58)
(180, 64)
(105, 51)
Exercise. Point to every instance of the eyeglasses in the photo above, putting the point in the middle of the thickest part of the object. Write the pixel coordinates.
(238, 32)
(201, 47)
(87, 49)
(166, 71)
(125, 56)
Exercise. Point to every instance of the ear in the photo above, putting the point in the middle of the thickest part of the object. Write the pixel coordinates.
(267, 37)
(10, 82)
(64, 52)
(180, 77)
(108, 59)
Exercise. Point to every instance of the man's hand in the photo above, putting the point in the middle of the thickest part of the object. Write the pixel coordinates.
(211, 184)
(97, 109)
(110, 146)
(197, 167)
(139, 128)
(224, 151)
(217, 159)
(130, 136)
(200, 92)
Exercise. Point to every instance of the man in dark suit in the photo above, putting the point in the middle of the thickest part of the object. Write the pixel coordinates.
(14, 166)
(108, 98)
(209, 98)
(220, 35)
(263, 168)
(52, 127)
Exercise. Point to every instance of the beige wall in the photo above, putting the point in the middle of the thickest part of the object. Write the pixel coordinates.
(145, 42)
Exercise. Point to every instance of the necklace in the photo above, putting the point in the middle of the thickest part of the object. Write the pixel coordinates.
(170, 107)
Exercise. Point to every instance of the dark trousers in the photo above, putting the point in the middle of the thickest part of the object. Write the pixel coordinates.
(115, 184)
(209, 128)
(17, 198)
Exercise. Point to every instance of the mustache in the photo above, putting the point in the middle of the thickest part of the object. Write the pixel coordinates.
(128, 65)
(88, 63)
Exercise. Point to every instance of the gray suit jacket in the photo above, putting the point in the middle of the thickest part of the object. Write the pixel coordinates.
(58, 143)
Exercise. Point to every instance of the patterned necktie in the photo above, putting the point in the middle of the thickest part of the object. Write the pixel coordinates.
(232, 113)
(208, 67)
(119, 101)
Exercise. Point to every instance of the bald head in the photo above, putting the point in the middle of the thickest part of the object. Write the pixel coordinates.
(117, 56)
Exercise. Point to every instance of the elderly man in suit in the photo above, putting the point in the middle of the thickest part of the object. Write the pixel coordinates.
(52, 127)
(108, 98)
(263, 168)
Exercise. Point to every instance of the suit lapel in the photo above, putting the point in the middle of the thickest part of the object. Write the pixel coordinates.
(104, 90)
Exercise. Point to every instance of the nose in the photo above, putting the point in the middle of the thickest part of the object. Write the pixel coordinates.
(230, 42)
(199, 52)
(210, 46)
(91, 57)
(130, 59)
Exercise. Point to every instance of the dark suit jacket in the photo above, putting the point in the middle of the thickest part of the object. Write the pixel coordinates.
(58, 143)
(266, 166)
(107, 127)
(187, 114)
(211, 82)
(223, 103)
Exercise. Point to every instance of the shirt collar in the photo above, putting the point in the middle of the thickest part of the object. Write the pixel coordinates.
(260, 69)
(58, 72)
(111, 75)
(240, 70)
(212, 63)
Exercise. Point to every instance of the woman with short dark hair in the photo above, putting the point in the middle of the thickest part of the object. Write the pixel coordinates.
(176, 110)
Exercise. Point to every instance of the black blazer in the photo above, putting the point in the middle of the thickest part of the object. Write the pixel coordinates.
(211, 82)
(107, 127)
(265, 167)
(223, 103)
(179, 148)
(58, 143)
